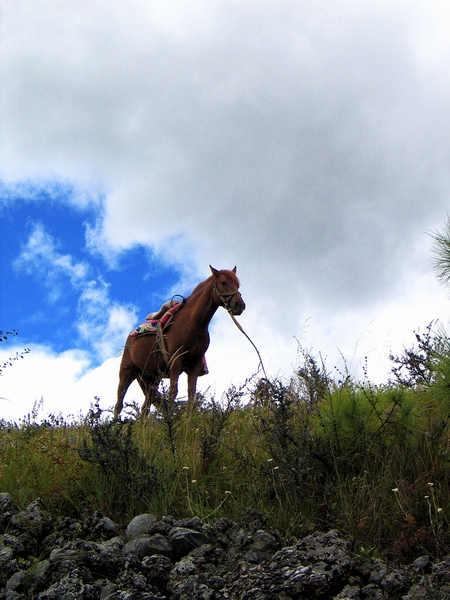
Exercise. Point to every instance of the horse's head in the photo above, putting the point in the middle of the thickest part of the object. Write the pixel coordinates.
(226, 286)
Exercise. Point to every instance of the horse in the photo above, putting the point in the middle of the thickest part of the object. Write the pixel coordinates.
(184, 342)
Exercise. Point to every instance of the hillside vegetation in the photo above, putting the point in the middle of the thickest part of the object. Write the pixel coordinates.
(313, 453)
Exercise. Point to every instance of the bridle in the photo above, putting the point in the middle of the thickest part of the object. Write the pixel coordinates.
(226, 298)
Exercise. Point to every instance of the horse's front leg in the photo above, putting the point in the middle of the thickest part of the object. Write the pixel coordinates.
(126, 377)
(192, 386)
(175, 372)
(173, 387)
(150, 389)
(193, 375)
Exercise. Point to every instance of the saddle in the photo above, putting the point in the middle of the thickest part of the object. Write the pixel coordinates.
(153, 325)
(156, 326)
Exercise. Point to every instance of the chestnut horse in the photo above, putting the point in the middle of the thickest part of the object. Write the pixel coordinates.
(186, 341)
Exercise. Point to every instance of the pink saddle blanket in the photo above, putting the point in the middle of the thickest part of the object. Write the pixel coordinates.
(150, 327)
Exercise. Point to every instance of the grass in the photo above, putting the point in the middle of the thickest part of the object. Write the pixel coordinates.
(312, 453)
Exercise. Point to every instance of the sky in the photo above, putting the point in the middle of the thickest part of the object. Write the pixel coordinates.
(307, 143)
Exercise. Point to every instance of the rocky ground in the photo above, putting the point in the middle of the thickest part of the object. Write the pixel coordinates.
(93, 559)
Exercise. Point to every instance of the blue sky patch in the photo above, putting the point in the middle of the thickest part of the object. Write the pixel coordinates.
(54, 289)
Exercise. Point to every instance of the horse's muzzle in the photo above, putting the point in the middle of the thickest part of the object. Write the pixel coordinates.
(237, 304)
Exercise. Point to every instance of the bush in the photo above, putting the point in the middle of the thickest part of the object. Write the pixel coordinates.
(312, 453)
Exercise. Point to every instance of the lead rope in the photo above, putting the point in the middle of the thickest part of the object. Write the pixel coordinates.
(226, 299)
(239, 326)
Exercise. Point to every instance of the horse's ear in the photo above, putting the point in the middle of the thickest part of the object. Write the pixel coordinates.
(234, 270)
(214, 271)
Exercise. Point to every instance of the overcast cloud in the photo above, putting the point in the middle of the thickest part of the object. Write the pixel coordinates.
(306, 142)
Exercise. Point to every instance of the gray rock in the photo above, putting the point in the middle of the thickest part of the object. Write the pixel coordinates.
(140, 525)
(194, 523)
(8, 565)
(88, 559)
(33, 520)
(70, 587)
(440, 573)
(184, 540)
(350, 592)
(147, 545)
(372, 592)
(105, 527)
(14, 542)
(156, 569)
(377, 575)
(134, 595)
(8, 508)
(185, 583)
(262, 548)
(107, 590)
(395, 583)
(421, 563)
(13, 595)
(314, 567)
(6, 554)
(16, 581)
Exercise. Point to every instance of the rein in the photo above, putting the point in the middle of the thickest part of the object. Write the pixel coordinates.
(226, 301)
(239, 326)
(225, 298)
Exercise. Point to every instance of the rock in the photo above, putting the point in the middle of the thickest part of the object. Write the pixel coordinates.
(70, 587)
(377, 575)
(184, 540)
(262, 548)
(421, 563)
(140, 525)
(147, 545)
(13, 595)
(33, 520)
(185, 583)
(440, 573)
(6, 555)
(105, 527)
(14, 542)
(156, 569)
(395, 583)
(16, 581)
(88, 558)
(8, 565)
(8, 508)
(133, 595)
(350, 592)
(316, 566)
(372, 592)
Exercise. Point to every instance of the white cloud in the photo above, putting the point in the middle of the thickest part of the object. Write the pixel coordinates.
(41, 257)
(42, 374)
(306, 142)
(104, 324)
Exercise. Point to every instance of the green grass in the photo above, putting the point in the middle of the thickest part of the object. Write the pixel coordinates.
(311, 453)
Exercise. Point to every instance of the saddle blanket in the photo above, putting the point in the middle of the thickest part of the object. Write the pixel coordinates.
(150, 327)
